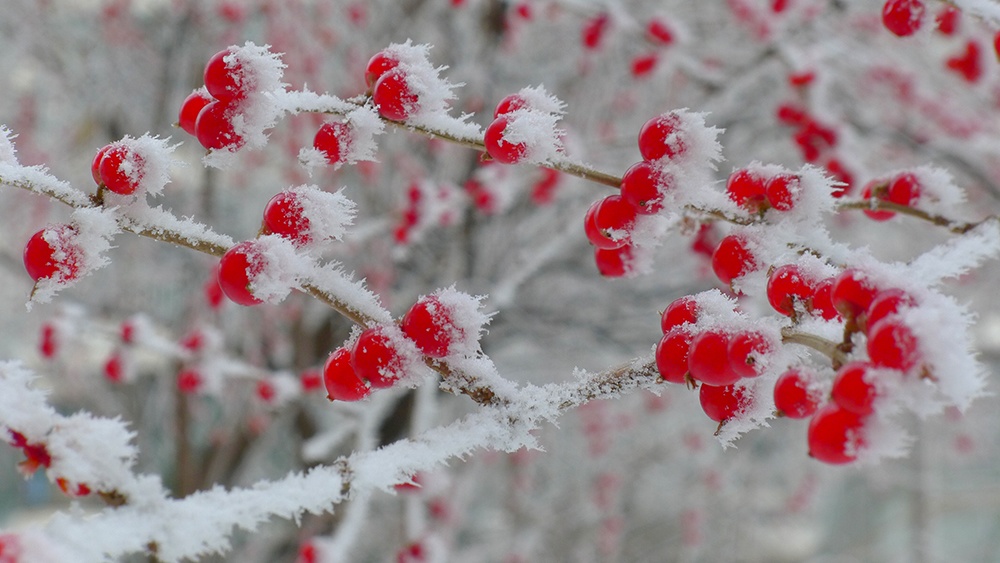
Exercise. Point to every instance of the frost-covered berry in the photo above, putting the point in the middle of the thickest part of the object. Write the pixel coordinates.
(430, 326)
(498, 147)
(732, 259)
(679, 312)
(796, 394)
(641, 187)
(614, 262)
(52, 253)
(214, 127)
(853, 388)
(746, 351)
(237, 269)
(393, 97)
(662, 136)
(121, 169)
(786, 287)
(376, 359)
(822, 303)
(836, 435)
(333, 139)
(783, 191)
(892, 344)
(708, 359)
(903, 17)
(95, 165)
(609, 222)
(379, 64)
(852, 292)
(672, 355)
(876, 189)
(722, 403)
(226, 80)
(510, 103)
(342, 382)
(904, 189)
(886, 303)
(747, 189)
(191, 107)
(284, 215)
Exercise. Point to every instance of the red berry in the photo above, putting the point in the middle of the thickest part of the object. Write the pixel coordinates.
(189, 381)
(237, 269)
(662, 137)
(947, 20)
(786, 287)
(266, 391)
(791, 114)
(836, 435)
(333, 140)
(746, 349)
(721, 403)
(393, 97)
(114, 370)
(214, 127)
(887, 303)
(190, 109)
(121, 169)
(212, 290)
(510, 103)
(708, 360)
(968, 64)
(498, 147)
(594, 29)
(904, 189)
(747, 189)
(672, 355)
(903, 17)
(783, 191)
(226, 80)
(658, 31)
(284, 215)
(842, 175)
(379, 64)
(342, 382)
(609, 222)
(430, 326)
(641, 187)
(95, 165)
(644, 64)
(70, 489)
(51, 253)
(375, 359)
(852, 293)
(821, 302)
(892, 344)
(732, 259)
(853, 389)
(48, 346)
(679, 312)
(310, 380)
(877, 190)
(614, 262)
(796, 394)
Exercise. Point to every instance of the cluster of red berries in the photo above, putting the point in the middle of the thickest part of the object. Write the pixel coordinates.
(902, 189)
(375, 361)
(609, 222)
(388, 81)
(660, 34)
(208, 113)
(497, 145)
(37, 456)
(756, 192)
(791, 291)
(118, 167)
(814, 139)
(717, 358)
(52, 253)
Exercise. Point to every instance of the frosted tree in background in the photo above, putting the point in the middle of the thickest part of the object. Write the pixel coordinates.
(446, 280)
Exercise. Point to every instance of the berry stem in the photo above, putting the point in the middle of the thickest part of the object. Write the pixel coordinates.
(826, 347)
(956, 227)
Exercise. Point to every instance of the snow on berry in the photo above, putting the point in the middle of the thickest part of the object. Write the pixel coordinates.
(446, 323)
(306, 214)
(356, 142)
(81, 246)
(528, 132)
(144, 167)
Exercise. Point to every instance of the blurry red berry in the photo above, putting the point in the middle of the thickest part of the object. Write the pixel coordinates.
(903, 17)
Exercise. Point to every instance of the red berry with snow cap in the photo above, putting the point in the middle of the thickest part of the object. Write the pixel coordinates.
(796, 394)
(121, 169)
(51, 253)
(746, 352)
(722, 403)
(393, 97)
(333, 139)
(225, 78)
(379, 64)
(376, 359)
(732, 259)
(429, 324)
(662, 137)
(510, 103)
(836, 435)
(786, 287)
(783, 191)
(892, 344)
(887, 303)
(214, 127)
(641, 187)
(852, 293)
(284, 215)
(853, 388)
(747, 189)
(498, 147)
(342, 382)
(237, 269)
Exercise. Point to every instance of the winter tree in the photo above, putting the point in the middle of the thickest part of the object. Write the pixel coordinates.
(487, 280)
